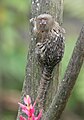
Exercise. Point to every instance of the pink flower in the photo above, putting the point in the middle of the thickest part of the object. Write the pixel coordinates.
(29, 109)
(22, 118)
(39, 115)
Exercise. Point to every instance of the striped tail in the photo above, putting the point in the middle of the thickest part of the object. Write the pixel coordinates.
(43, 87)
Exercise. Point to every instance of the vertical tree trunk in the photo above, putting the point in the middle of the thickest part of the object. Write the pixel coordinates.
(32, 76)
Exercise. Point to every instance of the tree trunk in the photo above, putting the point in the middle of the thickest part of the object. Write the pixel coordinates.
(32, 76)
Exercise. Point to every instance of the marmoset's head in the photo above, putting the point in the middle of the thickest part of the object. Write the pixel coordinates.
(44, 22)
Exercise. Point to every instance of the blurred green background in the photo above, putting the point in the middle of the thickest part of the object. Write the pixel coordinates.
(14, 17)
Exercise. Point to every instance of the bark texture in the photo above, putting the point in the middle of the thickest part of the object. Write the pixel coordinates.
(64, 89)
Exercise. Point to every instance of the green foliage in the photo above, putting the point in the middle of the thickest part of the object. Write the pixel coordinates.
(69, 46)
(13, 22)
(74, 8)
(7, 115)
(79, 88)
(13, 50)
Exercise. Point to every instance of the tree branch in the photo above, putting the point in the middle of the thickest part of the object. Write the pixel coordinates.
(59, 101)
